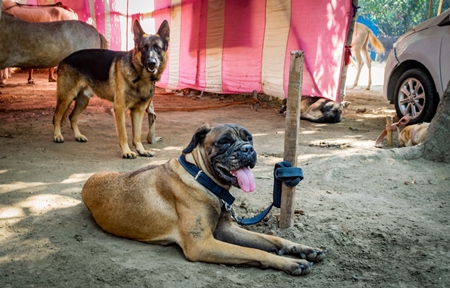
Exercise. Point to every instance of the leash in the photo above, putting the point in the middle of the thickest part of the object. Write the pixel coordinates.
(283, 172)
(393, 127)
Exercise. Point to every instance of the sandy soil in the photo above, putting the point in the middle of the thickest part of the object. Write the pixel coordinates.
(382, 214)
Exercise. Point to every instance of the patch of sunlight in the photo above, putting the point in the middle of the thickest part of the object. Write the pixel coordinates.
(74, 178)
(308, 132)
(30, 250)
(10, 212)
(368, 144)
(372, 116)
(259, 134)
(4, 188)
(156, 162)
(271, 160)
(46, 202)
(3, 171)
(168, 148)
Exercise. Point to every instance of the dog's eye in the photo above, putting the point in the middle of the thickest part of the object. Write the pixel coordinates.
(145, 48)
(157, 48)
(246, 136)
(224, 142)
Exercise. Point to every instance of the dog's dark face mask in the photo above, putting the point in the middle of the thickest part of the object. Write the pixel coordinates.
(152, 48)
(229, 148)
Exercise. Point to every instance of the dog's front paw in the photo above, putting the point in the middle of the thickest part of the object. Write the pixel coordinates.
(129, 155)
(58, 139)
(81, 138)
(311, 254)
(145, 153)
(301, 267)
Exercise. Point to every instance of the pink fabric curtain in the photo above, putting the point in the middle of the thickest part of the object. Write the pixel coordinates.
(233, 46)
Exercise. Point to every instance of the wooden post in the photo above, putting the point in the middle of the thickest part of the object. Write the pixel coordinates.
(347, 43)
(389, 138)
(439, 8)
(430, 8)
(291, 134)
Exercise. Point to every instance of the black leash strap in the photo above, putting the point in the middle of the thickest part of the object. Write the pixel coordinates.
(283, 172)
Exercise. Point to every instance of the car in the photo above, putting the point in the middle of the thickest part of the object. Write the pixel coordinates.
(417, 69)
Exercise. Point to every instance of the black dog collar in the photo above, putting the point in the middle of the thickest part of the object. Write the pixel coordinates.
(203, 179)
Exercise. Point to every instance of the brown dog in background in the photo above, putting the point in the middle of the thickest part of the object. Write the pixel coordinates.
(165, 204)
(125, 78)
(413, 134)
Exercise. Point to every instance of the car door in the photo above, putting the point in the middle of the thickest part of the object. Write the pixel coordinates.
(445, 58)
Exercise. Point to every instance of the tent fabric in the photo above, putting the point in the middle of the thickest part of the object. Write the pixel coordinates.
(233, 46)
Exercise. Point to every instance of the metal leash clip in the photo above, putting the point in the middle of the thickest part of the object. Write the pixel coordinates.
(198, 174)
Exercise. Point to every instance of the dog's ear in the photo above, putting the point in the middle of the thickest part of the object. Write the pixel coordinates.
(137, 31)
(198, 137)
(164, 33)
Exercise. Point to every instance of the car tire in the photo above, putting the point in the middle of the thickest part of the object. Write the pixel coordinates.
(415, 95)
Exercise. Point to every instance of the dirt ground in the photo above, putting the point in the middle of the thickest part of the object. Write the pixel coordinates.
(382, 214)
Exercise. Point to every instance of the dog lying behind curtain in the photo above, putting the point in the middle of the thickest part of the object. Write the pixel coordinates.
(318, 109)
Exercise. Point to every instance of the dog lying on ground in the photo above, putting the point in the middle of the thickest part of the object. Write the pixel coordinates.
(125, 78)
(318, 109)
(166, 204)
(413, 134)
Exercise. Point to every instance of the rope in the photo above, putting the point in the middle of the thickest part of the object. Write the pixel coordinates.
(347, 54)
(393, 127)
(188, 109)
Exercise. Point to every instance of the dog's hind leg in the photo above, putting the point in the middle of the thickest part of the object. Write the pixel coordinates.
(359, 64)
(151, 136)
(137, 116)
(81, 102)
(369, 66)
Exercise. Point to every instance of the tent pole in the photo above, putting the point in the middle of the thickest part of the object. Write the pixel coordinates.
(348, 43)
(430, 8)
(440, 8)
(291, 134)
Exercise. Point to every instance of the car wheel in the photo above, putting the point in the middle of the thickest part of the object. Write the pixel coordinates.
(415, 96)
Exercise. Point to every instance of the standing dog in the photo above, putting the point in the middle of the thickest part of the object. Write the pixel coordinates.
(125, 78)
(166, 204)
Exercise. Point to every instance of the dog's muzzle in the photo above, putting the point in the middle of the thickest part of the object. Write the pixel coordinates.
(235, 170)
(152, 66)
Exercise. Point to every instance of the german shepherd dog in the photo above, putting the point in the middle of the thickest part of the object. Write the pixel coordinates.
(125, 78)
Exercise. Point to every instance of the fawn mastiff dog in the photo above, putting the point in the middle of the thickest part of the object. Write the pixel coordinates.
(166, 204)
(125, 78)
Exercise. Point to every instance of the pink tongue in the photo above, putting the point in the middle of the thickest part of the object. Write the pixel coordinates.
(246, 179)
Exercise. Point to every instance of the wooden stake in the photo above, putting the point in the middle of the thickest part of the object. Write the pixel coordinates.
(291, 134)
(389, 138)
(344, 67)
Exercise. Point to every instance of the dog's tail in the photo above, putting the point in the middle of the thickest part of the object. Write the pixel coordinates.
(376, 44)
